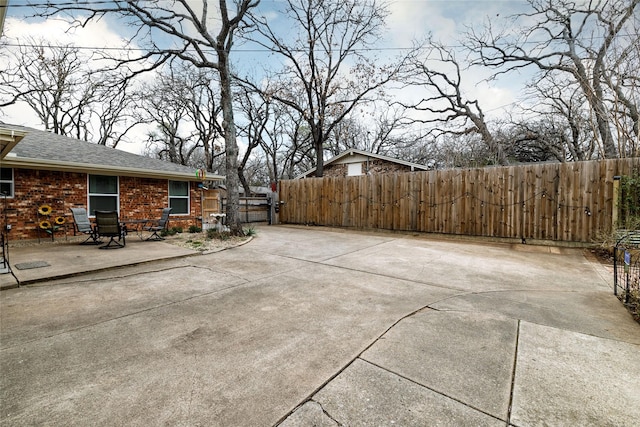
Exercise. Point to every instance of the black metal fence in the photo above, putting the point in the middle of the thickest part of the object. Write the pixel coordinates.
(626, 264)
(4, 255)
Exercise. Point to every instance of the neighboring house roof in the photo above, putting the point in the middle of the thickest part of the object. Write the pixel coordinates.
(44, 150)
(354, 156)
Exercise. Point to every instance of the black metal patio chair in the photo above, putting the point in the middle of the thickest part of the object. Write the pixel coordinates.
(157, 226)
(81, 224)
(108, 225)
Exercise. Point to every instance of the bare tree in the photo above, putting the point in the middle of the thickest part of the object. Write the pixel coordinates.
(68, 96)
(383, 130)
(165, 105)
(559, 126)
(446, 108)
(182, 103)
(256, 110)
(620, 74)
(275, 143)
(52, 82)
(328, 73)
(288, 144)
(561, 36)
(114, 111)
(201, 33)
(205, 111)
(450, 151)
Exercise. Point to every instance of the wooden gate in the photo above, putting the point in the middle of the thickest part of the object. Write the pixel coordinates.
(253, 209)
(211, 204)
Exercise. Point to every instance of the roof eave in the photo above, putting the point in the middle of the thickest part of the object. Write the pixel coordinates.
(9, 138)
(305, 174)
(29, 163)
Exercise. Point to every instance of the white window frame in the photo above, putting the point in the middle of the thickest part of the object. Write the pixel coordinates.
(187, 197)
(11, 182)
(90, 194)
(354, 169)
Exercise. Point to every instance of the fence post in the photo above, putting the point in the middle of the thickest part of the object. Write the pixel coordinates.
(616, 200)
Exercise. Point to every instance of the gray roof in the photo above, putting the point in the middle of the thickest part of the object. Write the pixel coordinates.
(45, 150)
(353, 151)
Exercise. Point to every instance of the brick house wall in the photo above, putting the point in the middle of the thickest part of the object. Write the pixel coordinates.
(334, 170)
(376, 166)
(380, 166)
(139, 198)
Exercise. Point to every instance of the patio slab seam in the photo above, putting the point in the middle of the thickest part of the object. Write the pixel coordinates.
(123, 316)
(29, 282)
(309, 397)
(513, 373)
(439, 392)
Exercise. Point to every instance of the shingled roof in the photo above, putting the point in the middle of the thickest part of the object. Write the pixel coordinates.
(44, 150)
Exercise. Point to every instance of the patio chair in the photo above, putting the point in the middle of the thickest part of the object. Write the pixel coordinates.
(158, 225)
(108, 225)
(81, 224)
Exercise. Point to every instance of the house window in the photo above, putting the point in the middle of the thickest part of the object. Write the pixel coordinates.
(6, 182)
(103, 193)
(354, 169)
(179, 197)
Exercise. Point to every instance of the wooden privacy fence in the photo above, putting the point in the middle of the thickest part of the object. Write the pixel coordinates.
(572, 202)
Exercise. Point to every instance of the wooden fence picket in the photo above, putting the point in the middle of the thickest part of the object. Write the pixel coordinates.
(553, 201)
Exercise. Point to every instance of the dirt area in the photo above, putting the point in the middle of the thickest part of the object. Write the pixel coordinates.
(195, 241)
(200, 242)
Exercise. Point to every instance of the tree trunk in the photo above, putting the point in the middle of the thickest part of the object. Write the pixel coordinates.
(244, 183)
(601, 113)
(319, 145)
(231, 145)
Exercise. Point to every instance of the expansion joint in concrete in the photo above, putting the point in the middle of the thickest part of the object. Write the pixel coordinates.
(430, 389)
(513, 373)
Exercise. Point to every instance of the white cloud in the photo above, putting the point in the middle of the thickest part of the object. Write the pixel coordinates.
(415, 20)
(493, 100)
(446, 20)
(95, 34)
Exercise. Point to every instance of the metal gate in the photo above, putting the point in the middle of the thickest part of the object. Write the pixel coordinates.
(626, 265)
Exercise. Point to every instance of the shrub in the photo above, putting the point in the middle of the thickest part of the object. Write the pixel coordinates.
(194, 229)
(629, 201)
(171, 231)
(215, 234)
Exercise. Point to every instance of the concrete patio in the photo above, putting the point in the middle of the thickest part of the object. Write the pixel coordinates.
(308, 326)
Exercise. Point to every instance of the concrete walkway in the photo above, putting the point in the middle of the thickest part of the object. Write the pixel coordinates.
(316, 327)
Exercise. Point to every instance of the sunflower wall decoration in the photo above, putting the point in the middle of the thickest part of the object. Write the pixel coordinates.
(45, 210)
(47, 222)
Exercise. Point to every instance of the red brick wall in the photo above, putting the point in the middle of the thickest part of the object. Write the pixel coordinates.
(335, 170)
(381, 166)
(139, 198)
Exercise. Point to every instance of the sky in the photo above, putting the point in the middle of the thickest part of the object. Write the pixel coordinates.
(409, 19)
